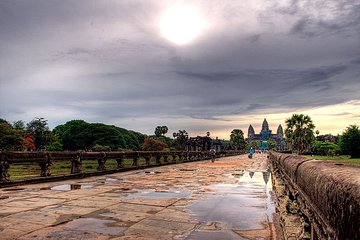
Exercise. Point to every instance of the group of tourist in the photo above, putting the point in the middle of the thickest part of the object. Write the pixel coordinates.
(252, 151)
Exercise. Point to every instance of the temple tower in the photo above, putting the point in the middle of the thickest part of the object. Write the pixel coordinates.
(251, 132)
(280, 131)
(265, 126)
(265, 131)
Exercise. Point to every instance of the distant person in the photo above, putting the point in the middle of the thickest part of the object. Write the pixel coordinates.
(212, 154)
(251, 152)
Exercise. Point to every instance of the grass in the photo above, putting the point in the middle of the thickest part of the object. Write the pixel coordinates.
(32, 170)
(339, 159)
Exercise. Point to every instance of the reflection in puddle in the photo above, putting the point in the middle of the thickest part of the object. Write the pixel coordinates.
(151, 193)
(110, 181)
(67, 187)
(95, 225)
(214, 235)
(247, 204)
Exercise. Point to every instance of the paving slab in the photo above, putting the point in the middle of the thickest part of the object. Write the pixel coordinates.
(230, 198)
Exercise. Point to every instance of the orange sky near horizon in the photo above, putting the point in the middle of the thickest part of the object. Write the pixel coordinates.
(331, 119)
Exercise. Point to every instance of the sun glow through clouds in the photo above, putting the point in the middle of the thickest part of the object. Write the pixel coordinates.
(181, 24)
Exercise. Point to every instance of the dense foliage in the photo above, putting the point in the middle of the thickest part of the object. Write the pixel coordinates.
(154, 145)
(80, 135)
(10, 138)
(41, 133)
(161, 130)
(350, 141)
(271, 144)
(299, 132)
(237, 139)
(181, 138)
(325, 148)
(253, 144)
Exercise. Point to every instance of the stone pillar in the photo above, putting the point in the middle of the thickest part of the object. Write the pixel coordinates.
(147, 160)
(45, 167)
(101, 162)
(120, 163)
(158, 159)
(174, 158)
(76, 165)
(4, 169)
(135, 160)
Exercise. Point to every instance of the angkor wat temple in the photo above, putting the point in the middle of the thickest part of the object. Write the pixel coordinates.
(266, 134)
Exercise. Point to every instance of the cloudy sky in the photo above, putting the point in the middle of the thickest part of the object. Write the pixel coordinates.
(210, 65)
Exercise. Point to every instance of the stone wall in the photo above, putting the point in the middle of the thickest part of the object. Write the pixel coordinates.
(317, 199)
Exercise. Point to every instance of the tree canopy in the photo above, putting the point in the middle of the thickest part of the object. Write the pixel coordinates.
(350, 141)
(161, 130)
(237, 139)
(80, 135)
(325, 148)
(180, 139)
(40, 131)
(10, 138)
(154, 145)
(299, 132)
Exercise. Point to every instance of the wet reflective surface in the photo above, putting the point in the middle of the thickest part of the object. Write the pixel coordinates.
(95, 225)
(246, 204)
(227, 199)
(152, 193)
(67, 187)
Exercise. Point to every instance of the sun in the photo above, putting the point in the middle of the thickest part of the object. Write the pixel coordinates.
(181, 24)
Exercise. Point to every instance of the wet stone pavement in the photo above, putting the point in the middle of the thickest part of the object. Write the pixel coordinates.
(231, 198)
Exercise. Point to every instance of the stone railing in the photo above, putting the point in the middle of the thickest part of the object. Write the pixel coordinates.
(324, 195)
(46, 159)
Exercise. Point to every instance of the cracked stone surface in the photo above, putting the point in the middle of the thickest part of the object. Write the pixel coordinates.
(230, 198)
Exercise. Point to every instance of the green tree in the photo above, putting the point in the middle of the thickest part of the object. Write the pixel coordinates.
(161, 130)
(100, 148)
(80, 135)
(74, 135)
(350, 141)
(55, 146)
(181, 138)
(40, 130)
(254, 144)
(271, 144)
(237, 139)
(325, 148)
(299, 132)
(19, 125)
(10, 139)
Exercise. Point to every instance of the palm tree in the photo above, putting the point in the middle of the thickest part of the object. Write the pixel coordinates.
(299, 132)
(237, 139)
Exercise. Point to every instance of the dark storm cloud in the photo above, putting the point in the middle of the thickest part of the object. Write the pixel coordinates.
(106, 61)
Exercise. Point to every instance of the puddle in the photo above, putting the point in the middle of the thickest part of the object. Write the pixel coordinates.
(247, 204)
(95, 225)
(26, 189)
(67, 187)
(13, 189)
(187, 169)
(214, 235)
(110, 181)
(149, 172)
(151, 193)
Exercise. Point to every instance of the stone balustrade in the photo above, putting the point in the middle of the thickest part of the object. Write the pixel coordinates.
(324, 194)
(46, 160)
